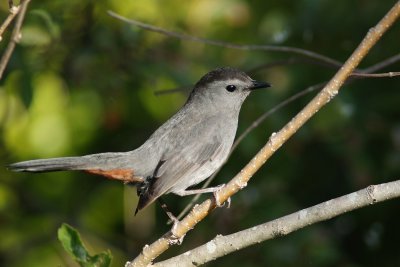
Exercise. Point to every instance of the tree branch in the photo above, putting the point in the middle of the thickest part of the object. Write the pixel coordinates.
(15, 37)
(382, 64)
(14, 10)
(223, 245)
(187, 37)
(199, 212)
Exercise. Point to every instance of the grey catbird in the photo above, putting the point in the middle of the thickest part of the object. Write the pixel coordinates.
(184, 151)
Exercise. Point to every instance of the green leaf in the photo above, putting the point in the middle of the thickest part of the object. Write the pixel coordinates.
(72, 243)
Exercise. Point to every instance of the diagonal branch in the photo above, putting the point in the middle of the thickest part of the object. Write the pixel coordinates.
(15, 37)
(14, 10)
(382, 64)
(187, 37)
(223, 245)
(199, 212)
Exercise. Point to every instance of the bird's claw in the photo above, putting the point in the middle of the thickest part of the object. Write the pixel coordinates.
(218, 202)
(174, 238)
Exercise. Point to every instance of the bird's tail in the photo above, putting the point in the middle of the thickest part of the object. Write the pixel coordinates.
(115, 166)
(49, 165)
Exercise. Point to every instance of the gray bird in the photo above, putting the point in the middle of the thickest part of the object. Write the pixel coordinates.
(183, 152)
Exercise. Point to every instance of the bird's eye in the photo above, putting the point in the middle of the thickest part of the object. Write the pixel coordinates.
(231, 88)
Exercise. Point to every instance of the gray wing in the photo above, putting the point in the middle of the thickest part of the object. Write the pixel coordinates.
(176, 171)
(177, 168)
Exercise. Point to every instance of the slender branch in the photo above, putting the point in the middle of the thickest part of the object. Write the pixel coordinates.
(382, 64)
(13, 12)
(192, 38)
(199, 212)
(223, 245)
(375, 75)
(15, 37)
(293, 60)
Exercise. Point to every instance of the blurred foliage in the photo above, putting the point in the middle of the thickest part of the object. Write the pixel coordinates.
(81, 82)
(72, 243)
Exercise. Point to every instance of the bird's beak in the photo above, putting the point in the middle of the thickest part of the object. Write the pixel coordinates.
(259, 85)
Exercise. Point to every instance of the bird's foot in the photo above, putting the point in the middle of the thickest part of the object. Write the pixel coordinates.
(218, 202)
(174, 238)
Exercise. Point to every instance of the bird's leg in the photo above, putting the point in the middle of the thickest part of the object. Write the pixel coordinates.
(219, 205)
(175, 239)
(213, 190)
(167, 211)
(217, 201)
(199, 191)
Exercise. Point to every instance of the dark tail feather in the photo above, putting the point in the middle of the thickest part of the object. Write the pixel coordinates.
(48, 165)
(115, 166)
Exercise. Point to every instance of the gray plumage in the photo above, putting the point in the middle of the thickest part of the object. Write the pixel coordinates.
(184, 151)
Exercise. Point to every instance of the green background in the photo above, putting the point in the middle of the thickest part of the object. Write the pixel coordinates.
(81, 82)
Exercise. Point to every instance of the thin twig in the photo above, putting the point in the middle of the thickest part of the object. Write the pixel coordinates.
(192, 38)
(13, 12)
(290, 61)
(223, 245)
(380, 65)
(15, 37)
(199, 212)
(375, 75)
